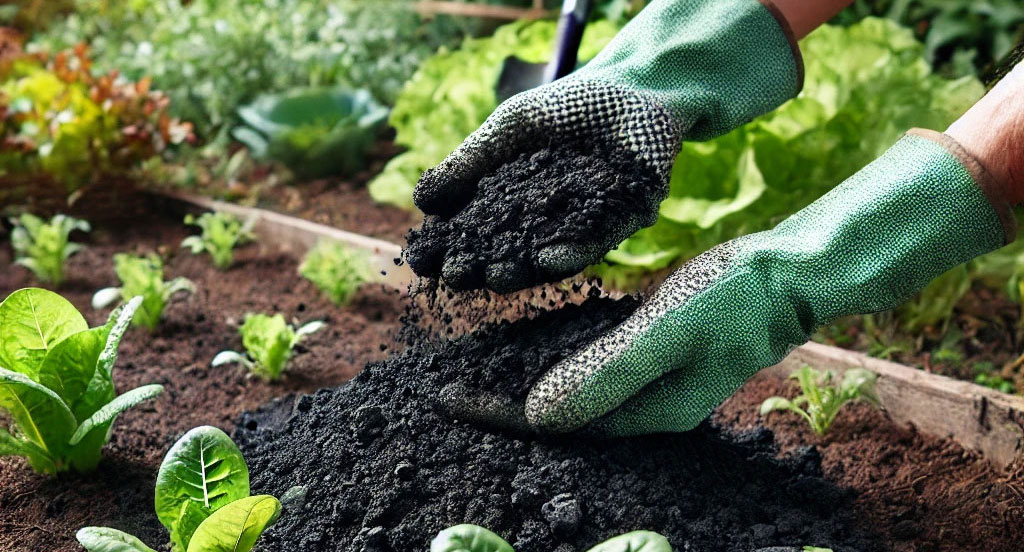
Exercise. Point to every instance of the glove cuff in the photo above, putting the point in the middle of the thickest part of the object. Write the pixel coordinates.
(993, 189)
(794, 45)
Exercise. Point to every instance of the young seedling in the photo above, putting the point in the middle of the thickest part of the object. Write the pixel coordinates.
(142, 276)
(820, 400)
(42, 246)
(268, 342)
(473, 538)
(221, 233)
(57, 380)
(336, 270)
(202, 498)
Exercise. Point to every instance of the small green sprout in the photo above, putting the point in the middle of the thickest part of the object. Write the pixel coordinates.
(820, 400)
(816, 549)
(268, 342)
(42, 246)
(473, 538)
(142, 276)
(202, 498)
(336, 270)
(221, 233)
(57, 380)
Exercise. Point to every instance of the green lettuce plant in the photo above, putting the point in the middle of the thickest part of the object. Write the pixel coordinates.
(202, 498)
(57, 380)
(337, 270)
(142, 277)
(43, 246)
(473, 538)
(221, 233)
(268, 342)
(315, 132)
(820, 400)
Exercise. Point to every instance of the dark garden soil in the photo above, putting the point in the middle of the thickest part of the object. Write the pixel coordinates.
(921, 493)
(381, 467)
(41, 514)
(549, 197)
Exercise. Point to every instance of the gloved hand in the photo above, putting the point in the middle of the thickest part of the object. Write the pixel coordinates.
(923, 207)
(681, 70)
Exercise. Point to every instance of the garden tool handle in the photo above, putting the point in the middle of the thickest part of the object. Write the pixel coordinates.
(571, 23)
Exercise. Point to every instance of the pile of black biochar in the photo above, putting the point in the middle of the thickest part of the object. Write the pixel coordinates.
(382, 469)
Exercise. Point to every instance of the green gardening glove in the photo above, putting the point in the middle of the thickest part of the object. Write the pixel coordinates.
(922, 208)
(681, 70)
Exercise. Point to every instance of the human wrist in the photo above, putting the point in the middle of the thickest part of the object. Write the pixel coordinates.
(802, 16)
(992, 132)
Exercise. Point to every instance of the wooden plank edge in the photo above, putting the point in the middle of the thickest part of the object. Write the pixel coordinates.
(296, 236)
(978, 418)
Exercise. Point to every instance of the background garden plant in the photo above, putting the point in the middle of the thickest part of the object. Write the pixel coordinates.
(44, 246)
(337, 270)
(268, 342)
(57, 380)
(220, 234)
(820, 399)
(142, 276)
(202, 498)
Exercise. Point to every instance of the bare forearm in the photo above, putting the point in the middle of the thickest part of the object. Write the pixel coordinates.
(806, 15)
(993, 132)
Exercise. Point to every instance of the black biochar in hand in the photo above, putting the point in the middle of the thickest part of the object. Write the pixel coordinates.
(543, 198)
(385, 469)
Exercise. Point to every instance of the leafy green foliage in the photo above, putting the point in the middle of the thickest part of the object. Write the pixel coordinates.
(820, 400)
(336, 270)
(65, 128)
(202, 498)
(57, 383)
(453, 92)
(212, 56)
(237, 526)
(203, 472)
(221, 233)
(142, 277)
(960, 36)
(995, 381)
(268, 342)
(473, 538)
(315, 132)
(42, 246)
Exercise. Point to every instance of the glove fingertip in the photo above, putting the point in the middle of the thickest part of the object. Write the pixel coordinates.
(565, 259)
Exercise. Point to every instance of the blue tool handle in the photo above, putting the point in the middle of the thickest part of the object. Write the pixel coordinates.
(571, 24)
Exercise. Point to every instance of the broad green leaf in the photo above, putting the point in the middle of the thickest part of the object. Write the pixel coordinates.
(775, 403)
(468, 538)
(635, 541)
(34, 320)
(268, 340)
(237, 526)
(40, 415)
(106, 415)
(203, 471)
(70, 365)
(105, 539)
(100, 390)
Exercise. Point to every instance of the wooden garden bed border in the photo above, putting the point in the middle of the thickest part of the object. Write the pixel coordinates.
(977, 417)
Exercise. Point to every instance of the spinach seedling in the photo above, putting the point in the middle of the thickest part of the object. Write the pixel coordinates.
(473, 538)
(221, 233)
(57, 380)
(336, 270)
(820, 400)
(42, 246)
(142, 277)
(202, 498)
(268, 342)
